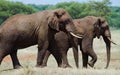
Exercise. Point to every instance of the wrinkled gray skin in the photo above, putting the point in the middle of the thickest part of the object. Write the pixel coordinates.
(21, 31)
(89, 27)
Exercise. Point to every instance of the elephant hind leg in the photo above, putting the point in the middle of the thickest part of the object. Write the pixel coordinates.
(57, 55)
(1, 58)
(2, 55)
(65, 63)
(15, 61)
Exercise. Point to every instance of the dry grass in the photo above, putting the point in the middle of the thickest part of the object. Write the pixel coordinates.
(29, 62)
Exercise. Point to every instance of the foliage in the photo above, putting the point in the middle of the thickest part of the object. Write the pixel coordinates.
(115, 17)
(75, 9)
(100, 9)
(93, 8)
(8, 9)
(79, 10)
(41, 7)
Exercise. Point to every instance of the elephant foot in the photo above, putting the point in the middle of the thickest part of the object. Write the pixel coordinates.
(18, 67)
(65, 66)
(44, 65)
(91, 64)
(40, 66)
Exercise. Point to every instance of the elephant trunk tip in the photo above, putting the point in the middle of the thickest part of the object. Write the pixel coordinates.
(106, 66)
(111, 41)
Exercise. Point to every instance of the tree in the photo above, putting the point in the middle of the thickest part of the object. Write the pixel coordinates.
(8, 9)
(41, 7)
(101, 9)
(115, 17)
(75, 9)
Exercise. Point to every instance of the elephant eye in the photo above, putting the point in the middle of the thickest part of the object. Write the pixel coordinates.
(67, 21)
(62, 25)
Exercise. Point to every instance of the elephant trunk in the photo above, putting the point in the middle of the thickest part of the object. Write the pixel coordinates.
(111, 41)
(76, 56)
(108, 47)
(75, 51)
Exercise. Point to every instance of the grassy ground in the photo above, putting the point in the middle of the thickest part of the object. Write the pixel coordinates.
(27, 58)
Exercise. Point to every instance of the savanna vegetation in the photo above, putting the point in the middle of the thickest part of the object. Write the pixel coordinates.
(8, 9)
(76, 10)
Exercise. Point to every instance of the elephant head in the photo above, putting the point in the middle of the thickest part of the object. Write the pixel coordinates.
(60, 20)
(102, 29)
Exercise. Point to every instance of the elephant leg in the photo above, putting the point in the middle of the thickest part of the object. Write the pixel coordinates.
(47, 54)
(85, 59)
(3, 53)
(87, 47)
(65, 63)
(1, 57)
(84, 55)
(15, 61)
(42, 48)
(76, 57)
(94, 58)
(57, 55)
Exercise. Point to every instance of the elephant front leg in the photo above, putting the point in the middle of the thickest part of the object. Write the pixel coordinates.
(16, 64)
(94, 58)
(85, 59)
(87, 47)
(47, 54)
(84, 53)
(57, 55)
(41, 53)
(65, 63)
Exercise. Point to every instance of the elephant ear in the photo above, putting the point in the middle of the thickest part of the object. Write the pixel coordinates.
(54, 20)
(98, 27)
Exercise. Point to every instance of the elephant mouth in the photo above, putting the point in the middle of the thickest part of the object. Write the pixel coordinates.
(76, 35)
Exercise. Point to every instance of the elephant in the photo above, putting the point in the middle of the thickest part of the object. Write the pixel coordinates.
(61, 43)
(88, 28)
(21, 31)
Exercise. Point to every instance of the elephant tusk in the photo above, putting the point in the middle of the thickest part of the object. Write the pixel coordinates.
(75, 35)
(111, 41)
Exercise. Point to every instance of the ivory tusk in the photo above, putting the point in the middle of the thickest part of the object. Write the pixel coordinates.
(111, 41)
(75, 35)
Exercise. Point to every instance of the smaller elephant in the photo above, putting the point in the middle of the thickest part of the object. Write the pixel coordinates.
(89, 28)
(59, 46)
(21, 31)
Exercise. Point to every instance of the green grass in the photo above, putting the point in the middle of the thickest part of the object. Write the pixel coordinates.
(52, 69)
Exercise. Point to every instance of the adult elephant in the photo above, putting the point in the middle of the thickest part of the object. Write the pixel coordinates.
(92, 27)
(89, 27)
(21, 31)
